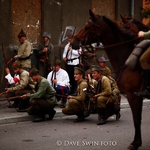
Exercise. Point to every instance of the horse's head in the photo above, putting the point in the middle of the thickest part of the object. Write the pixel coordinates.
(128, 23)
(89, 33)
(133, 25)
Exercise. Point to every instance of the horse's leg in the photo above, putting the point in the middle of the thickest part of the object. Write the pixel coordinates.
(136, 107)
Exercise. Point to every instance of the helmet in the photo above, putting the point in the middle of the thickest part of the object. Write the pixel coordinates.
(47, 34)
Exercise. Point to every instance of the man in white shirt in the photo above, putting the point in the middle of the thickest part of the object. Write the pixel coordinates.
(59, 79)
(11, 80)
(71, 58)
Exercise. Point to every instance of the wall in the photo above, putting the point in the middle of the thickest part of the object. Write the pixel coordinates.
(26, 15)
(55, 15)
(106, 8)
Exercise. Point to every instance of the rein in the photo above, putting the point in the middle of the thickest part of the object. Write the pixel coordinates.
(121, 43)
(127, 25)
(113, 45)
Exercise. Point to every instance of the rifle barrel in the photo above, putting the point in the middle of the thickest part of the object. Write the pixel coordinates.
(10, 98)
(4, 56)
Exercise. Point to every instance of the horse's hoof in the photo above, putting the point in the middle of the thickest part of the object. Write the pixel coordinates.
(132, 147)
(118, 115)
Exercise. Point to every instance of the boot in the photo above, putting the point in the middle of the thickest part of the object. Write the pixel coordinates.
(146, 80)
(63, 103)
(102, 116)
(51, 114)
(40, 118)
(80, 117)
(15, 104)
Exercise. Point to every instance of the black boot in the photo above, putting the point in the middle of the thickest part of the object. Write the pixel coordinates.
(15, 104)
(80, 117)
(63, 102)
(40, 118)
(146, 80)
(102, 115)
(51, 114)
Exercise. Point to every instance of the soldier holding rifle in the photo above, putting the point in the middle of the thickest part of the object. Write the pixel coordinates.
(45, 54)
(59, 79)
(24, 51)
(43, 100)
(25, 85)
(76, 103)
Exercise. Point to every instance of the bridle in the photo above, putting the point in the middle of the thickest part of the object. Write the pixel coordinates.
(127, 25)
(97, 25)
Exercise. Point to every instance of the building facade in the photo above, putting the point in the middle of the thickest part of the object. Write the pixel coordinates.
(37, 16)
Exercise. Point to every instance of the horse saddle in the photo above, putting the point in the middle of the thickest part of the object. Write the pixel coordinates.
(136, 53)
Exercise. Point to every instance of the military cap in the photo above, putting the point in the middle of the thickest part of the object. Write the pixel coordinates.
(88, 72)
(78, 70)
(95, 68)
(33, 72)
(47, 34)
(16, 64)
(102, 59)
(21, 34)
(57, 62)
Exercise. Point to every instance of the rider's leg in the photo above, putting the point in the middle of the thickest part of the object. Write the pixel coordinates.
(145, 64)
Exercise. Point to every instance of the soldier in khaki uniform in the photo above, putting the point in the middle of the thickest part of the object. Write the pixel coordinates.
(103, 92)
(105, 70)
(76, 103)
(24, 51)
(25, 85)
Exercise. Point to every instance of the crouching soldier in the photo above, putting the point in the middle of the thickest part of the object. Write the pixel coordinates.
(103, 93)
(76, 104)
(43, 100)
(25, 85)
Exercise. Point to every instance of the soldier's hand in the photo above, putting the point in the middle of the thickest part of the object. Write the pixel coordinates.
(65, 59)
(16, 56)
(7, 70)
(55, 81)
(24, 96)
(69, 48)
(69, 97)
(44, 50)
(7, 90)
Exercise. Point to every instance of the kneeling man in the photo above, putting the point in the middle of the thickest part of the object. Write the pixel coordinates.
(76, 104)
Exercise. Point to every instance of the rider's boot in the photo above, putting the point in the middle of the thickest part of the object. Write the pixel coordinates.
(146, 79)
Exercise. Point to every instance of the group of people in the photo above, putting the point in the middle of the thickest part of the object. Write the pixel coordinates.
(39, 91)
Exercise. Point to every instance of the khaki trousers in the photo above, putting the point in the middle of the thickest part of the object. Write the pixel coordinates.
(74, 106)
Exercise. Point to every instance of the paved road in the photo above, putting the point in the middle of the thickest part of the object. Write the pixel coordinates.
(10, 115)
(63, 134)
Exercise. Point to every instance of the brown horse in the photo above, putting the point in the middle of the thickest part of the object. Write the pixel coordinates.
(118, 45)
(133, 25)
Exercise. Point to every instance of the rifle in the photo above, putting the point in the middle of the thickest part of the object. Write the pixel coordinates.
(2, 93)
(10, 98)
(47, 64)
(11, 59)
(63, 96)
(70, 44)
(4, 56)
(15, 97)
(54, 72)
